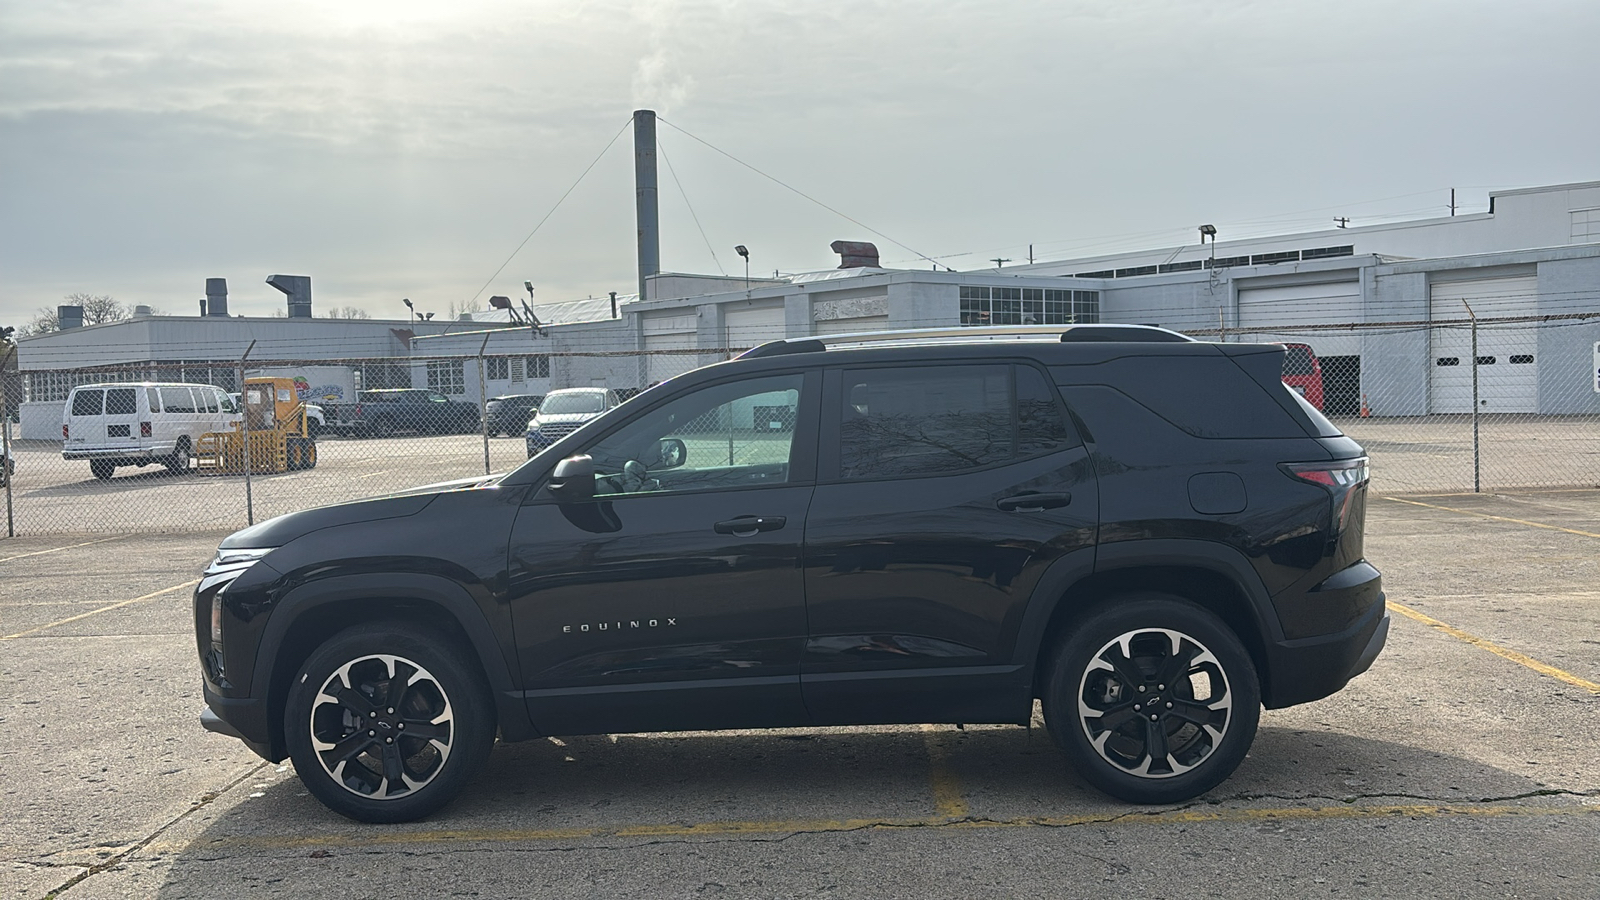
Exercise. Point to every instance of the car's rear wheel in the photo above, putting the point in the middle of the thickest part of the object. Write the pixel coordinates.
(1153, 699)
(387, 722)
(102, 468)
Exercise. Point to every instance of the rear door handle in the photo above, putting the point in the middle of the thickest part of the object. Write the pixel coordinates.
(745, 526)
(1033, 502)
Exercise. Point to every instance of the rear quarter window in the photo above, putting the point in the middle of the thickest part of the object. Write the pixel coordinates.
(1208, 397)
(121, 402)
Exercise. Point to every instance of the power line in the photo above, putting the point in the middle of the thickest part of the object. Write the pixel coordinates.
(674, 173)
(550, 213)
(796, 190)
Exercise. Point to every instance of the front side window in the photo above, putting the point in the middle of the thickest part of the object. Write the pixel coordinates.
(725, 436)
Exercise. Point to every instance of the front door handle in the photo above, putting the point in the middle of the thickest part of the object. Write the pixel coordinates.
(1033, 502)
(746, 526)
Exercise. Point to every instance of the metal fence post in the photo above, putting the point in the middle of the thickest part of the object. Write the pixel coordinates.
(483, 402)
(1477, 482)
(5, 438)
(244, 432)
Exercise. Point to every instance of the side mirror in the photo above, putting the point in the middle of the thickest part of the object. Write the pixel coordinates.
(573, 479)
(670, 453)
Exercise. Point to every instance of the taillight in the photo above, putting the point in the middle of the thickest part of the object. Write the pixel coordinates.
(144, 429)
(63, 432)
(1340, 476)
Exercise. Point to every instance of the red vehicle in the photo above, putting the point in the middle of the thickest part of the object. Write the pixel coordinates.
(1303, 374)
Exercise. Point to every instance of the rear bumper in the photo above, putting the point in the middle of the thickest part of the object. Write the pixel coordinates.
(1301, 671)
(128, 453)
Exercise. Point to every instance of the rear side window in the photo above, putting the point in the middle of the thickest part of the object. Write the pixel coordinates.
(88, 403)
(121, 402)
(177, 400)
(154, 396)
(932, 420)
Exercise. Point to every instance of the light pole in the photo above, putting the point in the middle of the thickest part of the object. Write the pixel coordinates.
(413, 310)
(744, 251)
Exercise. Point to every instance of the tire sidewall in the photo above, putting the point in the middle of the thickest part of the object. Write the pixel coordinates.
(1134, 612)
(462, 682)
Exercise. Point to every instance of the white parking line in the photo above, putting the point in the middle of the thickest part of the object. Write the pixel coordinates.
(375, 474)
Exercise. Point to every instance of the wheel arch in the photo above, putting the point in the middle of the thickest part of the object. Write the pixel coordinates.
(311, 613)
(1214, 576)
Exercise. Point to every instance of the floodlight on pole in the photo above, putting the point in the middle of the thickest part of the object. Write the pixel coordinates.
(413, 310)
(744, 251)
(1208, 231)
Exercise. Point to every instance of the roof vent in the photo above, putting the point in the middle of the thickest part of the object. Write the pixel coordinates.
(141, 311)
(216, 297)
(69, 317)
(856, 254)
(298, 289)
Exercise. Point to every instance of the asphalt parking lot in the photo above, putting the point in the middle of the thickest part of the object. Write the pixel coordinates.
(1466, 762)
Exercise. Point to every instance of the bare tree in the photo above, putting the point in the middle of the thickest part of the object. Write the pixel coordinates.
(97, 310)
(347, 312)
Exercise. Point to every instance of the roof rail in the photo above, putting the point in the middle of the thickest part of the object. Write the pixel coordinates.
(1147, 334)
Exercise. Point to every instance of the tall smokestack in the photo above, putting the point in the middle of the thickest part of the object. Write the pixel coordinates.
(644, 181)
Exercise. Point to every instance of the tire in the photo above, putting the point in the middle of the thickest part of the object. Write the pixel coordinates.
(380, 428)
(292, 455)
(437, 694)
(178, 461)
(102, 469)
(312, 427)
(308, 455)
(1109, 669)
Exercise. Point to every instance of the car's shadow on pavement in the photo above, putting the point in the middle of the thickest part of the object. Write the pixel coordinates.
(608, 788)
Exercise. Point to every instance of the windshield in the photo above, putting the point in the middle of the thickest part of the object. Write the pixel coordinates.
(559, 404)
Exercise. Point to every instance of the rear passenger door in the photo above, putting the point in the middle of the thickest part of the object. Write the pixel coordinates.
(948, 491)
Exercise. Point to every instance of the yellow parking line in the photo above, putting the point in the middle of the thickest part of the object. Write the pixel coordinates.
(946, 789)
(795, 826)
(95, 612)
(59, 549)
(1514, 656)
(1470, 512)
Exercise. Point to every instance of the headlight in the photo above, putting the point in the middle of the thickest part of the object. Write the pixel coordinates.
(228, 565)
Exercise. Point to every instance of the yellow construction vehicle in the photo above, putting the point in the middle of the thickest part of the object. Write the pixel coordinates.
(272, 422)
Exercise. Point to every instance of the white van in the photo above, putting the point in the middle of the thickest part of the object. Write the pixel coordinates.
(114, 425)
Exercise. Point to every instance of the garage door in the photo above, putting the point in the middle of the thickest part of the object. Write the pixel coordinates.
(747, 327)
(850, 326)
(1508, 365)
(668, 333)
(1297, 305)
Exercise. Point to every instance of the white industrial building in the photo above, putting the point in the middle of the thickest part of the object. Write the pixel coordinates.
(1384, 307)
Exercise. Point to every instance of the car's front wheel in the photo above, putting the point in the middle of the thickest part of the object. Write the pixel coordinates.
(1153, 699)
(387, 722)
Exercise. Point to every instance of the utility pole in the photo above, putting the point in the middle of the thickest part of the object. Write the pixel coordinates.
(1030, 254)
(1341, 221)
(1452, 202)
(999, 262)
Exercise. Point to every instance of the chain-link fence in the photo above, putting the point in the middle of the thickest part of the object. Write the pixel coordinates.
(1456, 406)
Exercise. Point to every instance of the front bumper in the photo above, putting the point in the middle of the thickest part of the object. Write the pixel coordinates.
(242, 718)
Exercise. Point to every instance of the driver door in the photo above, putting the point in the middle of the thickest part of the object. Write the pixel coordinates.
(673, 598)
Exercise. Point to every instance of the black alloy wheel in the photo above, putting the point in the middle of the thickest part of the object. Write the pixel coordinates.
(386, 723)
(1153, 699)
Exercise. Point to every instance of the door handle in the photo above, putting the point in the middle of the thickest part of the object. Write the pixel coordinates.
(745, 526)
(1033, 502)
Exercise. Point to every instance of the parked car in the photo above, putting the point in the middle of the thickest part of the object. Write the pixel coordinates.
(564, 412)
(1302, 372)
(141, 424)
(511, 413)
(1151, 535)
(380, 413)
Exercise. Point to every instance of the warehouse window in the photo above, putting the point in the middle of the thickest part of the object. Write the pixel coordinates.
(1028, 306)
(447, 376)
(497, 368)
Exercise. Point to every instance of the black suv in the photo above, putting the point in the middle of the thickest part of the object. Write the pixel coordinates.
(1154, 536)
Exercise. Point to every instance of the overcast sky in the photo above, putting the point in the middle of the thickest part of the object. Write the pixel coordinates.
(391, 148)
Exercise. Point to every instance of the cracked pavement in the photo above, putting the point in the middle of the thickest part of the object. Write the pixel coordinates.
(1446, 769)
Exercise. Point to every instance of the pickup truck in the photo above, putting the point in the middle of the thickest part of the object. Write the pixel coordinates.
(380, 413)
